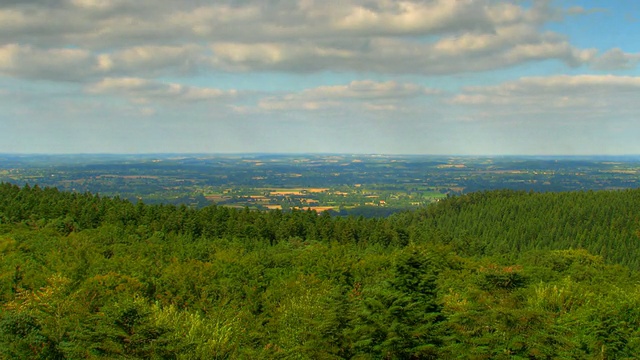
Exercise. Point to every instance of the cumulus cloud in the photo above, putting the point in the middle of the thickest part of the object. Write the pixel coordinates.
(605, 95)
(393, 56)
(144, 37)
(367, 89)
(615, 59)
(409, 17)
(81, 65)
(143, 91)
(51, 64)
(147, 51)
(579, 10)
(152, 59)
(367, 94)
(438, 37)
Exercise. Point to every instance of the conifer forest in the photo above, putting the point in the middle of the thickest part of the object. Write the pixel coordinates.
(499, 274)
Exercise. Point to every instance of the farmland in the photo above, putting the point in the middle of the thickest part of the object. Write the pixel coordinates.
(358, 184)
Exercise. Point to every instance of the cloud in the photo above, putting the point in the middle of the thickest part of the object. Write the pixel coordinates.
(51, 64)
(152, 59)
(580, 84)
(144, 91)
(606, 96)
(368, 89)
(146, 52)
(579, 10)
(410, 17)
(146, 38)
(615, 59)
(392, 56)
(367, 94)
(80, 65)
(437, 37)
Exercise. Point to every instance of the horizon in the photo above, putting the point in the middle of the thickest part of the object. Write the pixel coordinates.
(277, 154)
(473, 77)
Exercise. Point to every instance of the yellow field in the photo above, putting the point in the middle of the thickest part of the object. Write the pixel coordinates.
(318, 208)
(295, 191)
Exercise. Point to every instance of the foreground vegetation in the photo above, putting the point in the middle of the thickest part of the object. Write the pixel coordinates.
(491, 275)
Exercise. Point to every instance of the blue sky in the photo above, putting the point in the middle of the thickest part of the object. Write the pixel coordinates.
(479, 77)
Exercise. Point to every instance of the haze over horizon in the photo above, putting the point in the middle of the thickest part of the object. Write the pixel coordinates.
(476, 77)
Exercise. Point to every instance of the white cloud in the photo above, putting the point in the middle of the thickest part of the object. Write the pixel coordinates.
(412, 17)
(381, 107)
(616, 59)
(579, 84)
(52, 64)
(367, 89)
(365, 94)
(152, 59)
(73, 64)
(394, 56)
(146, 37)
(606, 96)
(96, 5)
(146, 51)
(143, 91)
(579, 10)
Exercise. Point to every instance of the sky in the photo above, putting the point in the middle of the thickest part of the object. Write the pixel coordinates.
(456, 77)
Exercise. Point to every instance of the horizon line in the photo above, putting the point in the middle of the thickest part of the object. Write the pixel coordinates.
(309, 154)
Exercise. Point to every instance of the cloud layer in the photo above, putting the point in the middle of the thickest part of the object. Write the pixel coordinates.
(84, 39)
(402, 70)
(557, 97)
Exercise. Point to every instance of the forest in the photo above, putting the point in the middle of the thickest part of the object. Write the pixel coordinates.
(500, 274)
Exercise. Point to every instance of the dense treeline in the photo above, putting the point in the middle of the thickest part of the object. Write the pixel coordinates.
(606, 223)
(489, 275)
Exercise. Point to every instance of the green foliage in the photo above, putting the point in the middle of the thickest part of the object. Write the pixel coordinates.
(127, 329)
(198, 337)
(402, 319)
(21, 337)
(604, 223)
(496, 275)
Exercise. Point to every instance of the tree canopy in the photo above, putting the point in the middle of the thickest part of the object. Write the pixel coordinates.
(490, 275)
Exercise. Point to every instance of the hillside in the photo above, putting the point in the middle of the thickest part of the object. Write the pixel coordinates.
(490, 275)
(605, 223)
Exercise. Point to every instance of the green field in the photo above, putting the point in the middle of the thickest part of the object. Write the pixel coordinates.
(366, 184)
